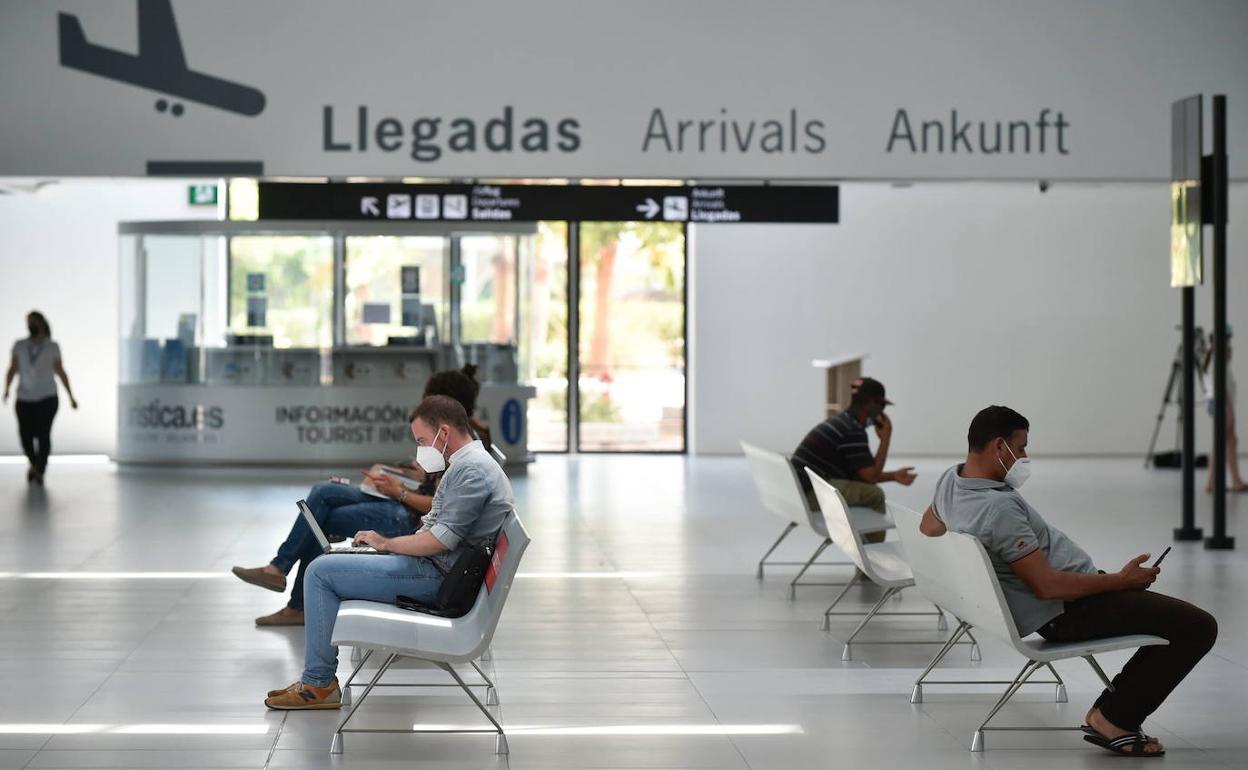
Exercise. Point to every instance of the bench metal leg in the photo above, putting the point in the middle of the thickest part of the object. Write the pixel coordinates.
(491, 692)
(336, 746)
(827, 614)
(346, 686)
(792, 526)
(1032, 666)
(1099, 672)
(500, 746)
(916, 695)
(1060, 696)
(847, 652)
(818, 551)
(977, 741)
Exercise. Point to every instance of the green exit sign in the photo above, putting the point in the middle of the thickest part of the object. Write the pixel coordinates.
(202, 194)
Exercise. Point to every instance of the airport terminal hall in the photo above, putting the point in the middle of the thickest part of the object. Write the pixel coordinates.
(551, 385)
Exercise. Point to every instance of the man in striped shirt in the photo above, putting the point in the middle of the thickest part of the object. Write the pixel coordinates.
(838, 451)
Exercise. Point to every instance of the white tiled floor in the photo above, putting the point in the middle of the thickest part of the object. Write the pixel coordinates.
(681, 660)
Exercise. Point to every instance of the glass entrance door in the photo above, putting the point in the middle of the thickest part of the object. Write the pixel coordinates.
(631, 351)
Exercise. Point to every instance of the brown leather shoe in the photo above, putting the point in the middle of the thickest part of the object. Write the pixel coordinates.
(286, 616)
(305, 697)
(257, 576)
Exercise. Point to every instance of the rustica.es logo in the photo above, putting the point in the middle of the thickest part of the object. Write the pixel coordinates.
(158, 415)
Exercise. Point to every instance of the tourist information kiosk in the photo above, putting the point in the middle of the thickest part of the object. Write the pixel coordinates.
(311, 342)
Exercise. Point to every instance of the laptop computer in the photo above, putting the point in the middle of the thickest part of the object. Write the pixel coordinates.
(326, 546)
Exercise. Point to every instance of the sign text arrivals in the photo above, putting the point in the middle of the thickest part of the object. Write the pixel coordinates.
(427, 139)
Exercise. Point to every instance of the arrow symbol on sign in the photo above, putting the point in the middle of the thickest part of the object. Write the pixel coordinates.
(369, 205)
(649, 208)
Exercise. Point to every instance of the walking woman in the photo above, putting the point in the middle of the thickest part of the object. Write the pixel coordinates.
(35, 360)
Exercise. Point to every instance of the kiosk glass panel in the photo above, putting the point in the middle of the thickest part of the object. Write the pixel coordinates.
(292, 307)
(376, 268)
(489, 288)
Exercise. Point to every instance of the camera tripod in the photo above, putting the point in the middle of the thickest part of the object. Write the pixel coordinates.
(1170, 396)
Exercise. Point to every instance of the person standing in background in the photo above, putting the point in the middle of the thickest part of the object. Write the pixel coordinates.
(35, 361)
(1232, 438)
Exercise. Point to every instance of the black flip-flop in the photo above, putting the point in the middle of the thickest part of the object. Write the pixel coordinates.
(1090, 730)
(1136, 742)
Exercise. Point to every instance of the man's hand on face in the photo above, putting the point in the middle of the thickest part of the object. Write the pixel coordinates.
(1135, 576)
(905, 476)
(883, 425)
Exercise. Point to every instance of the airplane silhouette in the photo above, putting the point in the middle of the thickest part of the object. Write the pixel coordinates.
(160, 64)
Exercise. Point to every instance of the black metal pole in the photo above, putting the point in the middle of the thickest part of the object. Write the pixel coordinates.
(1187, 419)
(1219, 191)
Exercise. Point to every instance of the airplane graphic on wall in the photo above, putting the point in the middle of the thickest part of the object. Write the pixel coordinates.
(160, 64)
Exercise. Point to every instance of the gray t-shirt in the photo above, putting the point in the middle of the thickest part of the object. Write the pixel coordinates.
(1010, 529)
(472, 501)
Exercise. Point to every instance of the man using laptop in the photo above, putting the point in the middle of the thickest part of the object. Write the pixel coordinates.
(1052, 586)
(472, 501)
(344, 509)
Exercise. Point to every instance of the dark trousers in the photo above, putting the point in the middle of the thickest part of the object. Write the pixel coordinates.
(1152, 672)
(34, 425)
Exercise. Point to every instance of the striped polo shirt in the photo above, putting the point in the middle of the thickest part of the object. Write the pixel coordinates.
(836, 448)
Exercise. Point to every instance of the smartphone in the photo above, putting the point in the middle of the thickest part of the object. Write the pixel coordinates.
(1159, 558)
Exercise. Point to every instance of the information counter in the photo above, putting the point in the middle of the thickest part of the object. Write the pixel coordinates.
(311, 343)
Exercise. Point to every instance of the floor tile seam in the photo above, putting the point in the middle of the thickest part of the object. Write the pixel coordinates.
(701, 696)
(666, 644)
(1234, 663)
(112, 673)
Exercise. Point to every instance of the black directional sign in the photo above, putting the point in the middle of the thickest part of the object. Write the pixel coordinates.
(533, 203)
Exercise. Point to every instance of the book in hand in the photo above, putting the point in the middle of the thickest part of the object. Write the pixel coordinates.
(412, 484)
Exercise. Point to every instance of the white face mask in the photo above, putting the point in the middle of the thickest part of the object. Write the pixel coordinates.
(1018, 473)
(430, 459)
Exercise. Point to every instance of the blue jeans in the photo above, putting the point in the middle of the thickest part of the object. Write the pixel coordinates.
(340, 509)
(338, 577)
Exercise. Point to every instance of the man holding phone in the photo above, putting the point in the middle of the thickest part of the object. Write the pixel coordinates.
(1052, 586)
(837, 450)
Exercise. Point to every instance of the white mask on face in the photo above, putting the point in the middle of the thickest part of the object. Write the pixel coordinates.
(430, 459)
(1018, 473)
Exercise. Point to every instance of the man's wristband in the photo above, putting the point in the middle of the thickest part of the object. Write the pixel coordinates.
(403, 497)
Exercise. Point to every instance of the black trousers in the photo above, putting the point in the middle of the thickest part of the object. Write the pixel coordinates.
(34, 424)
(1153, 672)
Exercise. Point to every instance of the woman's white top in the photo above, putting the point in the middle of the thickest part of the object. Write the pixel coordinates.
(35, 362)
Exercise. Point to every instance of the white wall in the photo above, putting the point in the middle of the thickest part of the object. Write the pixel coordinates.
(964, 295)
(58, 254)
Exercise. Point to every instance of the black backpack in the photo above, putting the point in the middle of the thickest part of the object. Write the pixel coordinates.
(460, 584)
